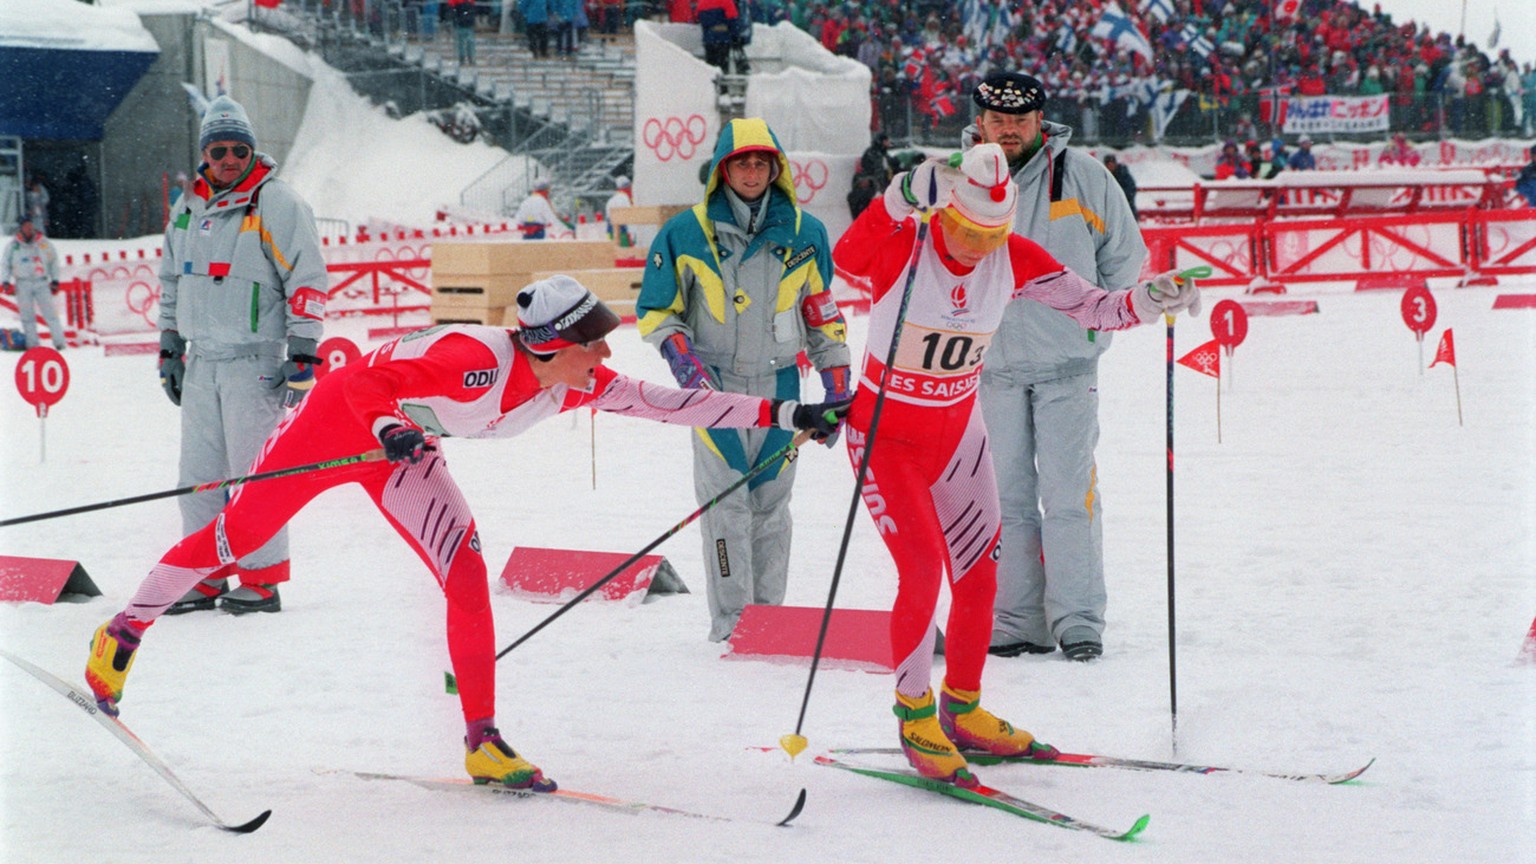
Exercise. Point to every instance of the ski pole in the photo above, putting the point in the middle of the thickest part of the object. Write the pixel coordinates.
(1173, 678)
(1173, 686)
(369, 456)
(785, 452)
(795, 743)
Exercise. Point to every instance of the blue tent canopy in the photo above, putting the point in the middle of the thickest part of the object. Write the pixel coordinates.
(63, 94)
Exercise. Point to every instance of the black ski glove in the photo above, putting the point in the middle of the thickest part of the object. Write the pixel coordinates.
(173, 364)
(821, 419)
(403, 443)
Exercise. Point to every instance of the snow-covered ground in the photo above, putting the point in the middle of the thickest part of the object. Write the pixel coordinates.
(1355, 576)
(1354, 580)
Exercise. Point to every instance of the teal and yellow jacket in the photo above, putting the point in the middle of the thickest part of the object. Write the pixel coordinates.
(748, 303)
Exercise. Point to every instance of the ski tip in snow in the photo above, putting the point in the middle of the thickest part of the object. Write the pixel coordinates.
(1140, 826)
(1345, 778)
(249, 826)
(793, 811)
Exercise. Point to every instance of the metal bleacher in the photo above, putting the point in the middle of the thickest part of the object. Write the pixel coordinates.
(573, 116)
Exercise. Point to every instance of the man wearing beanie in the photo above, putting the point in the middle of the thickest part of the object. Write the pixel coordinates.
(380, 420)
(734, 290)
(30, 270)
(242, 305)
(940, 253)
(1040, 388)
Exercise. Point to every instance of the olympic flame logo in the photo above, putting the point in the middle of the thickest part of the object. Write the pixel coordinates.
(670, 137)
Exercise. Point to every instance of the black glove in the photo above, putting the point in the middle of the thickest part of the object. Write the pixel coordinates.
(403, 443)
(173, 365)
(821, 419)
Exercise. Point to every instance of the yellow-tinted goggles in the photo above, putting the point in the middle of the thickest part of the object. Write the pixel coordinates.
(963, 235)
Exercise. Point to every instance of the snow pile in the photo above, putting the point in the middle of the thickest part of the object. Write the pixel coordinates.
(353, 161)
(1353, 581)
(71, 24)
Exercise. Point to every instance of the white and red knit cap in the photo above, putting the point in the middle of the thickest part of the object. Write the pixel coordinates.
(559, 312)
(984, 192)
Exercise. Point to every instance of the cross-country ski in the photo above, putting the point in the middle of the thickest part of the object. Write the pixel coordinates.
(1093, 760)
(606, 802)
(85, 702)
(989, 797)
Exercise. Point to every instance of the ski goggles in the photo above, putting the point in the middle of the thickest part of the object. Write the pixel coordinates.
(240, 150)
(963, 235)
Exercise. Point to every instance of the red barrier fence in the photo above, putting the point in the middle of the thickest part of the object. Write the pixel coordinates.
(1473, 245)
(75, 299)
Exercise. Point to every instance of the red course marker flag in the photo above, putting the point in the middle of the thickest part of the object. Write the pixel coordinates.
(1446, 353)
(1206, 359)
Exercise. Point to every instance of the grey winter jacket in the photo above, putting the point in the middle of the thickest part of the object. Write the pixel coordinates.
(242, 269)
(1090, 229)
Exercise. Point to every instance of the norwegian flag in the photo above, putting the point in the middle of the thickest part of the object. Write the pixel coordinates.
(942, 106)
(1273, 106)
(1206, 359)
(1287, 10)
(268, 4)
(913, 68)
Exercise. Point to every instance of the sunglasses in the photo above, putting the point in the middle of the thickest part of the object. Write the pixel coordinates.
(240, 150)
(963, 234)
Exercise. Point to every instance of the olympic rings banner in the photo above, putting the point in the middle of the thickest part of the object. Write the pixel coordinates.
(379, 276)
(674, 137)
(677, 116)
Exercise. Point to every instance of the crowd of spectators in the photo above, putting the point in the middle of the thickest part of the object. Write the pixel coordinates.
(1228, 56)
(926, 55)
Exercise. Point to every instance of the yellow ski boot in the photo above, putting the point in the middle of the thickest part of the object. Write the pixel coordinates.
(492, 760)
(926, 746)
(975, 728)
(112, 652)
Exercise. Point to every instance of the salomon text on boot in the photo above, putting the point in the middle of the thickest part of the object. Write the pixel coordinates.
(924, 743)
(112, 651)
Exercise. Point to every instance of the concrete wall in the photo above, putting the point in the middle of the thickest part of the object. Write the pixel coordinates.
(153, 134)
(274, 95)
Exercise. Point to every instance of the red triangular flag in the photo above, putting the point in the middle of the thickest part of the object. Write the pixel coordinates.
(1446, 353)
(1206, 359)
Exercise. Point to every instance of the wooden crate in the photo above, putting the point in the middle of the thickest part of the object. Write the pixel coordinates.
(477, 281)
(477, 291)
(496, 316)
(507, 257)
(655, 214)
(619, 287)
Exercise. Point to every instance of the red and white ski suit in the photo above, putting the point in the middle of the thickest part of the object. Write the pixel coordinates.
(930, 486)
(464, 381)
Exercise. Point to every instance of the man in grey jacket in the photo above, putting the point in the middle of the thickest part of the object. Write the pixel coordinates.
(30, 268)
(1039, 388)
(242, 306)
